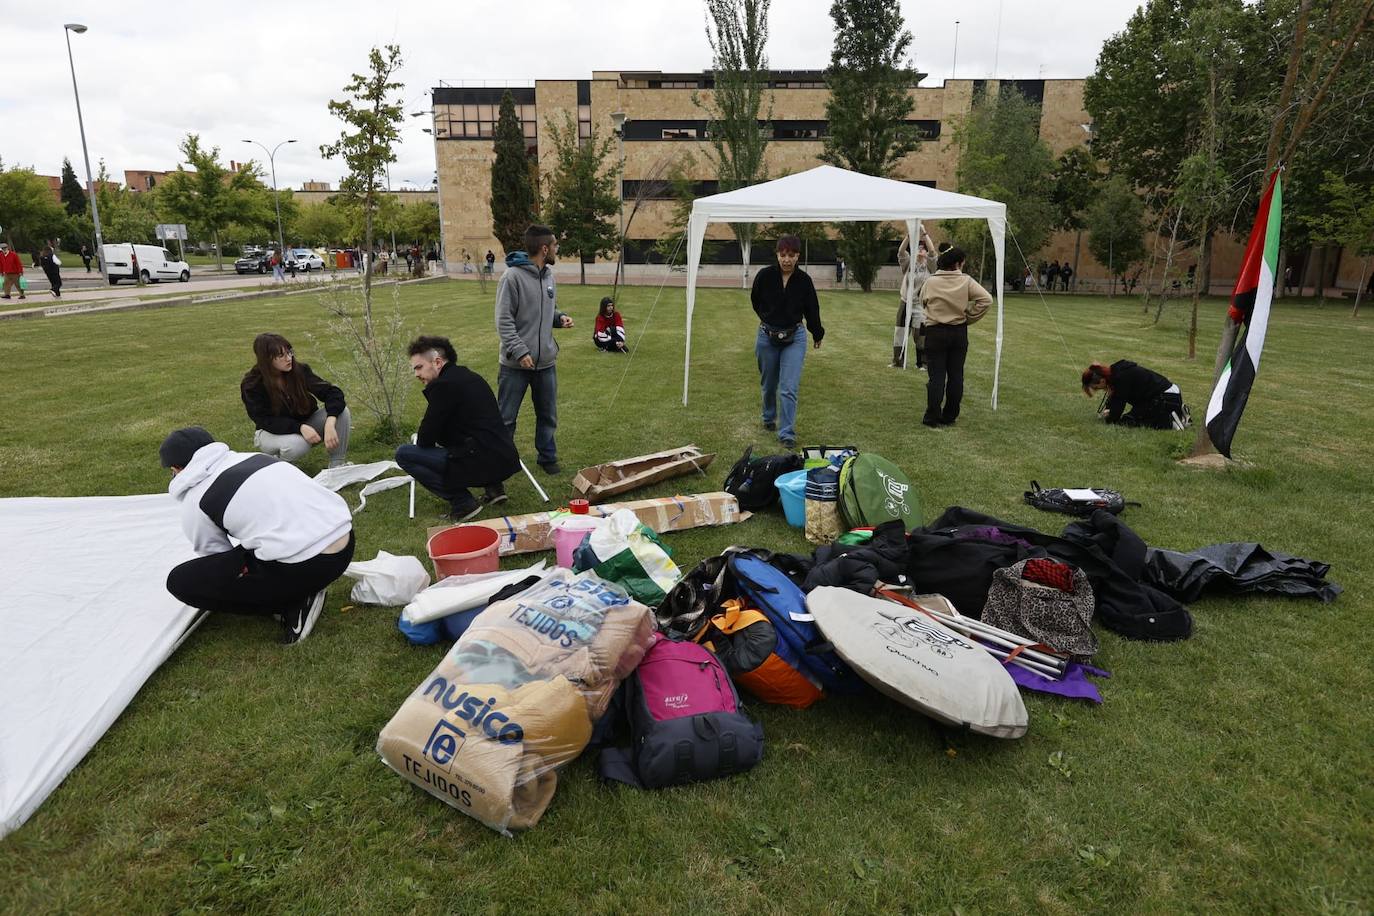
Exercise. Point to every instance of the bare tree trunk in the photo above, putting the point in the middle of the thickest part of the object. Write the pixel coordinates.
(1154, 259)
(582, 268)
(367, 261)
(1168, 265)
(1283, 270)
(1203, 269)
(1318, 275)
(1359, 290)
(1077, 248)
(219, 261)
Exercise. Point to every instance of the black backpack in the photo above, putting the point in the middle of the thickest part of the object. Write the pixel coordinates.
(751, 479)
(1057, 500)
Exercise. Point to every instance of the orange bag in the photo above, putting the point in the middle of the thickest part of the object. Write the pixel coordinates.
(744, 640)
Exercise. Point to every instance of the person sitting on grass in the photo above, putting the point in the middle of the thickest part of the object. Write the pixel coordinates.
(1155, 401)
(462, 442)
(294, 536)
(279, 394)
(609, 334)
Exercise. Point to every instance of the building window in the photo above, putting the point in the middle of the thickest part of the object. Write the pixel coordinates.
(799, 130)
(584, 123)
(663, 190)
(471, 114)
(927, 130)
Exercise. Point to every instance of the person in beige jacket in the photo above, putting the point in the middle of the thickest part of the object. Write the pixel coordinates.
(952, 301)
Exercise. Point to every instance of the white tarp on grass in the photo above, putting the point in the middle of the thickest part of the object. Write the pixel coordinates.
(85, 619)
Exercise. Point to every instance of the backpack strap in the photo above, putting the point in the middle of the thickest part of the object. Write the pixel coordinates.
(216, 498)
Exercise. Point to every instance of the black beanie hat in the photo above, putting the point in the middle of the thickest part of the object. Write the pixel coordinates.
(180, 445)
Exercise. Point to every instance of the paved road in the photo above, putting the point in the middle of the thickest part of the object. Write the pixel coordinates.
(79, 286)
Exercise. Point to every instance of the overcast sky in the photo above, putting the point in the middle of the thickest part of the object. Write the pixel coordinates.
(149, 73)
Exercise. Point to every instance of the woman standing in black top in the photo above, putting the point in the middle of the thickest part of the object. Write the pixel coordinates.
(279, 394)
(782, 297)
(1155, 401)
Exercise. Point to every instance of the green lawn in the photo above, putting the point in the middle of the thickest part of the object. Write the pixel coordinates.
(1231, 772)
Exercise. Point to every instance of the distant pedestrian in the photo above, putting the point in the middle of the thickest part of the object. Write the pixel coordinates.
(839, 269)
(467, 262)
(86, 257)
(491, 261)
(1288, 279)
(13, 270)
(1043, 272)
(1065, 275)
(1192, 275)
(52, 267)
(417, 261)
(275, 260)
(1052, 275)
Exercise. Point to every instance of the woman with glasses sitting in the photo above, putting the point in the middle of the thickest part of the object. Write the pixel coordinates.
(280, 395)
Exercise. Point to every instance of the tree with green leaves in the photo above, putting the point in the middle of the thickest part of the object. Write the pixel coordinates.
(125, 215)
(512, 186)
(1116, 228)
(1001, 157)
(320, 224)
(73, 197)
(737, 31)
(1075, 181)
(209, 198)
(419, 223)
(371, 113)
(581, 200)
(1348, 221)
(679, 186)
(870, 78)
(28, 212)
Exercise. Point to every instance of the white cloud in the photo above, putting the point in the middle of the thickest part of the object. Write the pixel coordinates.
(150, 73)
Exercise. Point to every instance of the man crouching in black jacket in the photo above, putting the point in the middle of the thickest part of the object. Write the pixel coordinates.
(462, 441)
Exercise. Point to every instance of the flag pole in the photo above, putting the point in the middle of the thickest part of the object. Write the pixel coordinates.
(1202, 445)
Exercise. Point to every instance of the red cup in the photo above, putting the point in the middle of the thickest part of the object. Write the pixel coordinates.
(578, 506)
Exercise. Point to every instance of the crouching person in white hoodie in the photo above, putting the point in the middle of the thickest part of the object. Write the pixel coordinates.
(293, 536)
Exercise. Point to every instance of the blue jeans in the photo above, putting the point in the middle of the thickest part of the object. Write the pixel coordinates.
(427, 466)
(780, 370)
(511, 383)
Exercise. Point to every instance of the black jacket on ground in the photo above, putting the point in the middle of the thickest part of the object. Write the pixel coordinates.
(463, 418)
(258, 402)
(786, 306)
(1103, 546)
(1133, 385)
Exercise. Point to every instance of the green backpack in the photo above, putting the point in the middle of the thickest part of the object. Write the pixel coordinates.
(873, 490)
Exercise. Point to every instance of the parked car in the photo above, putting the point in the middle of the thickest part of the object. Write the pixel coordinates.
(149, 262)
(305, 259)
(259, 263)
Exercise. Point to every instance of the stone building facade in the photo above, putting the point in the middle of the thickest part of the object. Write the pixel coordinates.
(663, 122)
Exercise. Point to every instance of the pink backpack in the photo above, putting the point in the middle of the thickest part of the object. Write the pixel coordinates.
(684, 720)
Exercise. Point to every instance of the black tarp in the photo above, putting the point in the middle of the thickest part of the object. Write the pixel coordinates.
(1236, 567)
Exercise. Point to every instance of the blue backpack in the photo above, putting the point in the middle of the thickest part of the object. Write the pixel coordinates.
(800, 642)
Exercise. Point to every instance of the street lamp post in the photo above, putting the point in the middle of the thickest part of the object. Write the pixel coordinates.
(272, 160)
(618, 120)
(67, 30)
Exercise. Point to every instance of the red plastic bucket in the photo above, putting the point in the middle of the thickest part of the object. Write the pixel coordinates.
(464, 549)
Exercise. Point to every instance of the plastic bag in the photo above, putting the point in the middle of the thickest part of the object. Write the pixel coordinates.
(388, 579)
(461, 593)
(626, 551)
(516, 698)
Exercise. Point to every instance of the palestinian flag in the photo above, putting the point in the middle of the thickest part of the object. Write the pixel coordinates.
(1250, 303)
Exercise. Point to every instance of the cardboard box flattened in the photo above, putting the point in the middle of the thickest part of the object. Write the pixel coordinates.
(616, 477)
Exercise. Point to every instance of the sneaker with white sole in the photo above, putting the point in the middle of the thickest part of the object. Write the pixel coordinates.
(300, 620)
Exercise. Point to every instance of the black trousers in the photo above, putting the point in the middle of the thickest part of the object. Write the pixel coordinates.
(1156, 414)
(946, 349)
(236, 582)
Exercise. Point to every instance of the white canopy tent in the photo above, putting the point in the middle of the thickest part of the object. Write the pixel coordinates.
(829, 194)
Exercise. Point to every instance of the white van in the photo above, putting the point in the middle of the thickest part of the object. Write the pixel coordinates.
(153, 263)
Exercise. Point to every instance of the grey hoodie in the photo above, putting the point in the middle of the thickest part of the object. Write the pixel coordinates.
(527, 312)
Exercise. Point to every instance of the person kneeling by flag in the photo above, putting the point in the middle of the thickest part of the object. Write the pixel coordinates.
(294, 536)
(1155, 401)
(462, 441)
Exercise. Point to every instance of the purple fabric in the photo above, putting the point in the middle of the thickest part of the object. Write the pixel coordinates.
(1074, 684)
(992, 533)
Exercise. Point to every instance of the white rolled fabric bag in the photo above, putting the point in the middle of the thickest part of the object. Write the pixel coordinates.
(463, 593)
(388, 579)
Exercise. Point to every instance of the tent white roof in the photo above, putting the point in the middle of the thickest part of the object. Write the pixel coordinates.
(830, 194)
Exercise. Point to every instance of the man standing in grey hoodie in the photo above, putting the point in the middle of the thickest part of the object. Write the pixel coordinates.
(526, 314)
